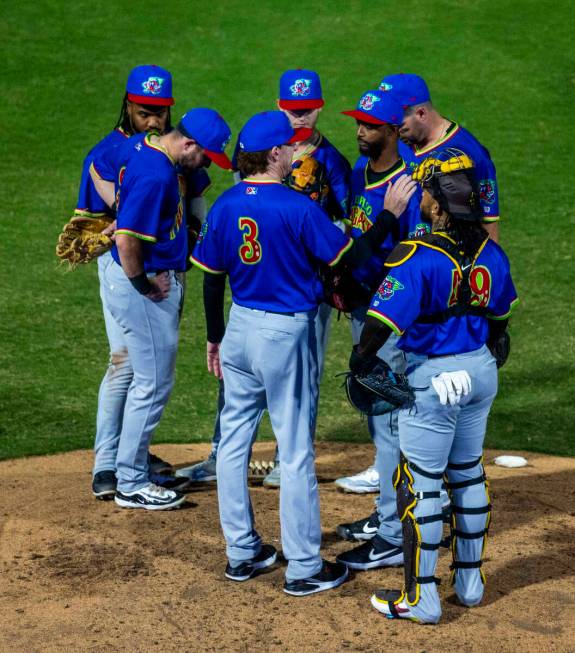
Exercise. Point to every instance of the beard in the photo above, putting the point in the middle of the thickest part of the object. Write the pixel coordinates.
(371, 150)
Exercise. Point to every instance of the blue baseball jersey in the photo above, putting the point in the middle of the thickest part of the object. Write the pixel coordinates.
(338, 173)
(459, 138)
(109, 162)
(427, 281)
(88, 199)
(151, 207)
(367, 202)
(269, 239)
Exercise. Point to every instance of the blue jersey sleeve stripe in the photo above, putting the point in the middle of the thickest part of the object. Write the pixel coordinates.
(504, 316)
(204, 267)
(386, 320)
(136, 234)
(86, 213)
(341, 252)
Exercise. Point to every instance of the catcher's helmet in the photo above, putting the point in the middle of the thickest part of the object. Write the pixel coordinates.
(449, 175)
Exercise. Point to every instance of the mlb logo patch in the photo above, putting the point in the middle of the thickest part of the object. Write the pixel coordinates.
(384, 86)
(251, 190)
(153, 85)
(368, 101)
(300, 88)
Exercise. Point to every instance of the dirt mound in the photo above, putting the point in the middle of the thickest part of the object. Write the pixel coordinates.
(83, 575)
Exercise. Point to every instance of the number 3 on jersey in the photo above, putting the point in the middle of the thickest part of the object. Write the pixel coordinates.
(479, 283)
(251, 250)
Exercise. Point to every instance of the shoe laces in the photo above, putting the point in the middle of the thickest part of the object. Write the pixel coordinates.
(158, 492)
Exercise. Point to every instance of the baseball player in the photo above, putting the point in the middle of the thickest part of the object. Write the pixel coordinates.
(146, 106)
(301, 99)
(448, 296)
(267, 238)
(141, 289)
(424, 130)
(378, 117)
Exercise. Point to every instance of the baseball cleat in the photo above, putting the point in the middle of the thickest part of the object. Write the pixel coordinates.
(200, 472)
(104, 485)
(273, 479)
(159, 466)
(372, 555)
(179, 484)
(362, 529)
(150, 497)
(362, 483)
(331, 575)
(384, 601)
(265, 558)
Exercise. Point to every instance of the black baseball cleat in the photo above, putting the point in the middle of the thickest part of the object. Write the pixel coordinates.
(158, 465)
(373, 554)
(332, 574)
(104, 485)
(360, 530)
(265, 558)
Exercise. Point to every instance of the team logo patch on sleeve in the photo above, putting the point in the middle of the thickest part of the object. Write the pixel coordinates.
(203, 232)
(388, 288)
(368, 101)
(487, 191)
(300, 88)
(153, 85)
(420, 230)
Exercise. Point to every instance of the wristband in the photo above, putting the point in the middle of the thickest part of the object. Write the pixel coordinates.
(141, 283)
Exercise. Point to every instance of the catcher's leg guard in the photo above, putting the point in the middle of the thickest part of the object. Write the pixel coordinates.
(471, 514)
(419, 508)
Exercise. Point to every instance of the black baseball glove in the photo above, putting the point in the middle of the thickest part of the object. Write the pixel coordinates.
(374, 389)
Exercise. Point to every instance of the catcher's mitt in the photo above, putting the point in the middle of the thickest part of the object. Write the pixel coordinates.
(310, 178)
(380, 391)
(82, 240)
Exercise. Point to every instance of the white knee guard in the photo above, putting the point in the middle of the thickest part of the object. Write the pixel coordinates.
(471, 514)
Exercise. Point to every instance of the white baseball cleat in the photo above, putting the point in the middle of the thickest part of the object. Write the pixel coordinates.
(362, 483)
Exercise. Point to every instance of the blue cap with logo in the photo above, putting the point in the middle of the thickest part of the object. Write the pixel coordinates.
(150, 85)
(210, 131)
(300, 89)
(377, 108)
(409, 89)
(268, 129)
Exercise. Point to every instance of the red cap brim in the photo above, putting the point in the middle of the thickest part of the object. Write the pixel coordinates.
(364, 117)
(300, 135)
(155, 101)
(220, 159)
(301, 104)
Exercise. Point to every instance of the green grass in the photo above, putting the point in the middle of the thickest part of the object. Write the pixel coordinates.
(504, 70)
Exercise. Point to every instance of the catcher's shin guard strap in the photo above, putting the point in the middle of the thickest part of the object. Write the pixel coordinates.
(466, 483)
(468, 465)
(466, 565)
(460, 510)
(423, 472)
(468, 536)
(422, 580)
(429, 519)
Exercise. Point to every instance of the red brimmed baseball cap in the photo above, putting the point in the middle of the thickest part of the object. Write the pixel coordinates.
(210, 131)
(268, 129)
(300, 89)
(377, 108)
(150, 85)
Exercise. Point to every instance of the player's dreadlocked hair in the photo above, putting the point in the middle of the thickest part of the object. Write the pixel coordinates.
(125, 123)
(469, 236)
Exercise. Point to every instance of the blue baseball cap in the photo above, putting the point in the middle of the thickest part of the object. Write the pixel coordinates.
(150, 85)
(210, 131)
(407, 88)
(300, 89)
(377, 108)
(268, 129)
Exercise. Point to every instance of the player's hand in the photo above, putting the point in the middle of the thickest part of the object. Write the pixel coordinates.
(451, 386)
(213, 358)
(109, 231)
(399, 194)
(160, 287)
